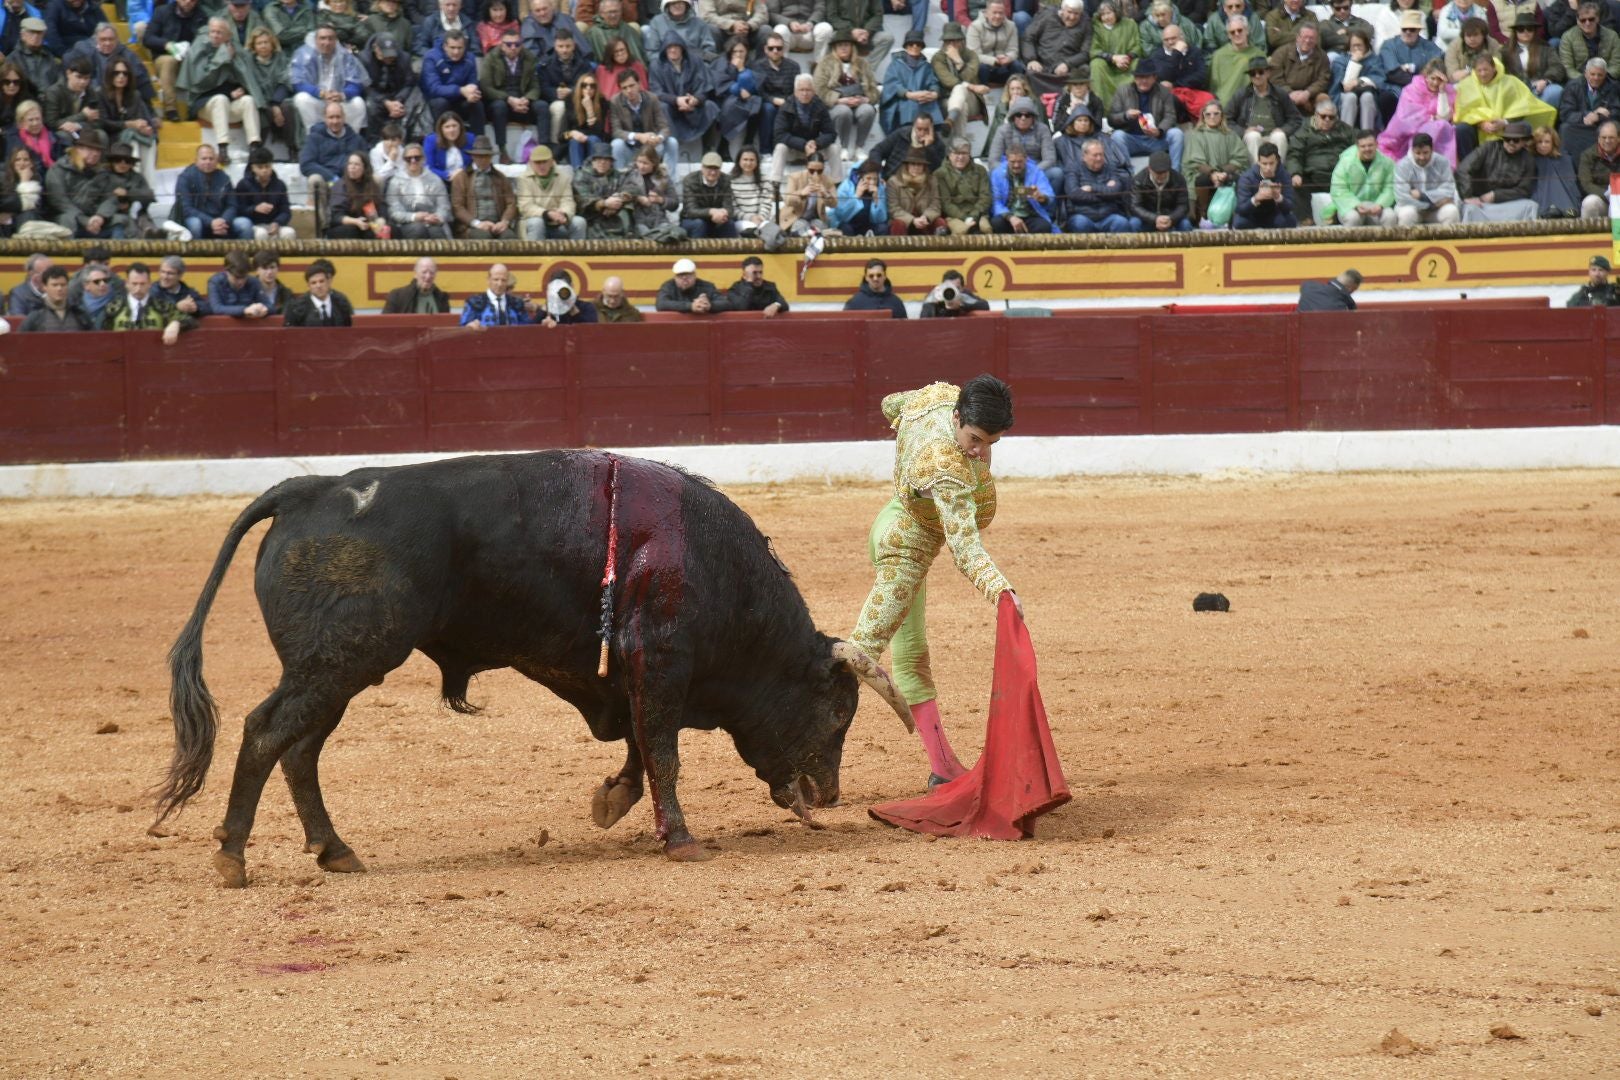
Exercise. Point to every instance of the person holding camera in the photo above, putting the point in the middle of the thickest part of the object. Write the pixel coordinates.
(950, 299)
(563, 305)
(1265, 193)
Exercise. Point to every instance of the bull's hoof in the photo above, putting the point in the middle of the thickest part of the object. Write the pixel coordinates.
(232, 868)
(687, 851)
(612, 801)
(341, 861)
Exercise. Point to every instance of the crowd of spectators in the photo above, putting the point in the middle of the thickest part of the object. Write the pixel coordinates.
(479, 119)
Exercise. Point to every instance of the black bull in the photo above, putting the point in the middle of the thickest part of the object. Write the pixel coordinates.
(491, 562)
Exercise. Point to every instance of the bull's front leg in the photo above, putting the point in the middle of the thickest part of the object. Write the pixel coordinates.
(662, 752)
(619, 792)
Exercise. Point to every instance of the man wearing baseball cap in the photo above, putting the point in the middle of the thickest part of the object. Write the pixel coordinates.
(688, 293)
(1597, 292)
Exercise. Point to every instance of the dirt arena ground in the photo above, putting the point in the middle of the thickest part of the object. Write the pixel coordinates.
(1380, 794)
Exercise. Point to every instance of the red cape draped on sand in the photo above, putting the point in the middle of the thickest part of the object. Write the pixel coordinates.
(1017, 778)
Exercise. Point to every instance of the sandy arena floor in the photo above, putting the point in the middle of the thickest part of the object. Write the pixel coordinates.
(1380, 794)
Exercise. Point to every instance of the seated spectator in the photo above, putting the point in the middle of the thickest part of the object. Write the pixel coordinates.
(677, 20)
(450, 82)
(619, 58)
(1021, 199)
(1266, 193)
(342, 18)
(14, 90)
(267, 268)
(444, 19)
(220, 82)
(863, 203)
(583, 121)
(234, 291)
(914, 203)
(1487, 100)
(171, 286)
(36, 61)
(1058, 40)
(29, 294)
(393, 92)
(1589, 101)
(1313, 154)
(76, 196)
(683, 88)
(1160, 16)
(387, 17)
(95, 295)
(1468, 49)
(104, 50)
(993, 38)
(449, 149)
(1588, 39)
(921, 135)
(566, 69)
(707, 210)
(204, 201)
(846, 85)
(1234, 60)
(1284, 22)
(875, 293)
(97, 257)
(1026, 128)
(1405, 57)
(292, 21)
(421, 296)
(775, 76)
(1358, 79)
(1080, 129)
(322, 74)
(1301, 69)
(1426, 107)
(544, 24)
(1498, 179)
(652, 194)
(753, 293)
(270, 66)
(797, 24)
(1098, 193)
(753, 196)
(1558, 192)
(1143, 116)
(804, 126)
(1214, 157)
(957, 68)
(1217, 30)
(862, 20)
(612, 307)
(144, 310)
(72, 105)
(736, 18)
(910, 88)
(263, 211)
(1261, 112)
(356, 209)
(30, 134)
(1363, 185)
(1596, 166)
(322, 305)
(418, 201)
(497, 305)
(20, 182)
(599, 196)
(387, 157)
(492, 29)
(545, 199)
(951, 299)
(130, 193)
(1532, 61)
(1334, 295)
(808, 198)
(54, 314)
(1077, 94)
(1159, 196)
(563, 305)
(638, 119)
(1597, 292)
(737, 91)
(610, 26)
(481, 198)
(510, 83)
(125, 115)
(688, 293)
(1425, 190)
(1116, 46)
(964, 191)
(1340, 26)
(328, 147)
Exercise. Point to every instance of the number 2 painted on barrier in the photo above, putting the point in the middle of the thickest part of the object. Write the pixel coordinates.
(1434, 268)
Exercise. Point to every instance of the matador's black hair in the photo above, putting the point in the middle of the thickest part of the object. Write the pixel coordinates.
(986, 402)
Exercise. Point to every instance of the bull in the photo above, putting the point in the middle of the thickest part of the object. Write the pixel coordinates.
(497, 561)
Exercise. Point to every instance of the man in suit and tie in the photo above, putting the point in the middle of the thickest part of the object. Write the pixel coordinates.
(496, 306)
(322, 305)
(1334, 295)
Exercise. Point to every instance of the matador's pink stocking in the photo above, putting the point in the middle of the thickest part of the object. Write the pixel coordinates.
(941, 758)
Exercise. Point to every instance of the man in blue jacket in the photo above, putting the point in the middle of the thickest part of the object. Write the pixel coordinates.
(450, 81)
(321, 74)
(875, 293)
(1099, 194)
(234, 291)
(69, 22)
(446, 18)
(1020, 195)
(204, 201)
(327, 146)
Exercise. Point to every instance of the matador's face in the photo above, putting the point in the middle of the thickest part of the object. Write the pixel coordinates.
(974, 441)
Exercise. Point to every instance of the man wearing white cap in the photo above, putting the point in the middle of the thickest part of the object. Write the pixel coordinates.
(688, 293)
(707, 209)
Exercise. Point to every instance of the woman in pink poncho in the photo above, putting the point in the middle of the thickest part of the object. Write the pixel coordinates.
(1427, 104)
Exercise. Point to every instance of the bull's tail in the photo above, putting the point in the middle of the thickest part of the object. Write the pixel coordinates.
(195, 715)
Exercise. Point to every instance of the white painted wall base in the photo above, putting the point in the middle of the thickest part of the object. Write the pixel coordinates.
(1016, 456)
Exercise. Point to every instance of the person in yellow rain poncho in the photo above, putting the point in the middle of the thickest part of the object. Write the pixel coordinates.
(943, 497)
(1488, 98)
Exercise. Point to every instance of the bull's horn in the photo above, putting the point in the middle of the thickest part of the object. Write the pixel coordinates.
(874, 676)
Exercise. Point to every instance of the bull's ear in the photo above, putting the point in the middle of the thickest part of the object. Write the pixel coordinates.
(870, 673)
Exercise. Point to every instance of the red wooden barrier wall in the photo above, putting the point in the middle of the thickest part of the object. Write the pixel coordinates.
(404, 386)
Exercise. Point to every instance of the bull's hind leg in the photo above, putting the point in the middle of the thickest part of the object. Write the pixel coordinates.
(287, 716)
(300, 766)
(618, 793)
